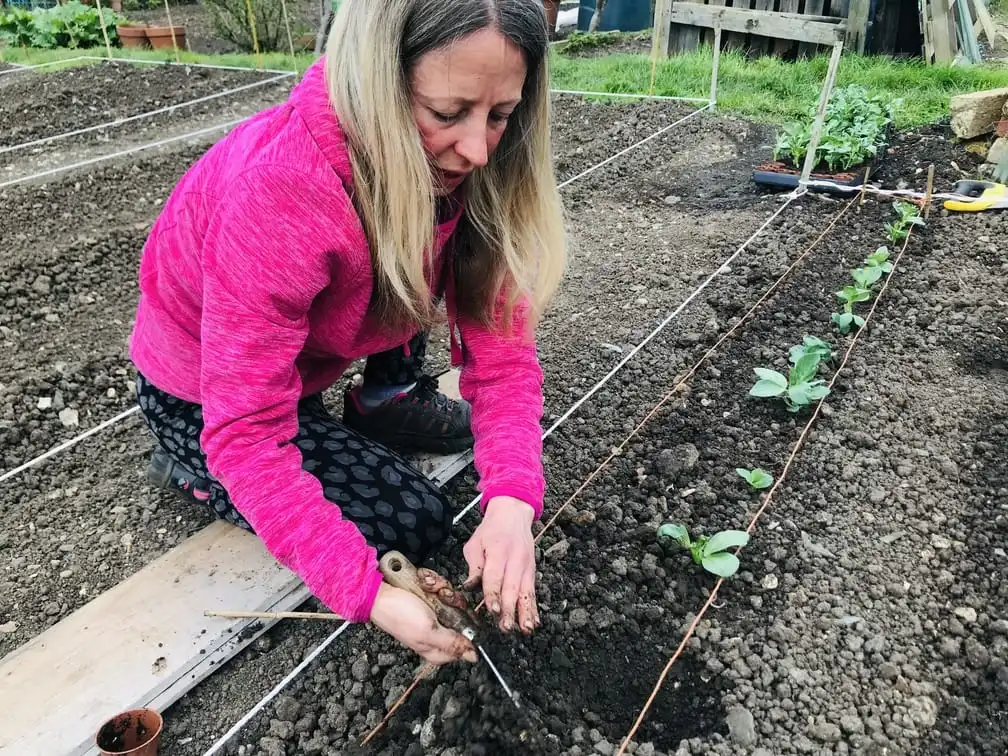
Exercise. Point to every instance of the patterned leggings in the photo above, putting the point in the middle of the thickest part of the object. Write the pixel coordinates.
(394, 506)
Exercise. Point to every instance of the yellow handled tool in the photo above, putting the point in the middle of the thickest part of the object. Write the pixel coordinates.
(984, 195)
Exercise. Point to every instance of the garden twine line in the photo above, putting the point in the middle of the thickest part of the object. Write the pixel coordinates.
(619, 449)
(766, 500)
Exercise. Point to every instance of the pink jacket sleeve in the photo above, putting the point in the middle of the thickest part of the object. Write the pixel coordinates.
(502, 379)
(264, 263)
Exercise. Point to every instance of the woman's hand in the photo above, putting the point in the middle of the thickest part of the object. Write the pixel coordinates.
(412, 622)
(501, 556)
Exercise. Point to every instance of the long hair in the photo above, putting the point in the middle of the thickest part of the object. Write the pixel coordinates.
(510, 244)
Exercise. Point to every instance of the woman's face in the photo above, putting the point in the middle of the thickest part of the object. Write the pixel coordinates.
(462, 96)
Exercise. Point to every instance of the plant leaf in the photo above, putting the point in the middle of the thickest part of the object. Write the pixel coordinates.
(767, 388)
(721, 564)
(771, 375)
(725, 540)
(804, 369)
(815, 393)
(675, 532)
(760, 478)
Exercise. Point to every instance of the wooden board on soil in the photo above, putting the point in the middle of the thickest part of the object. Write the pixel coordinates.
(147, 641)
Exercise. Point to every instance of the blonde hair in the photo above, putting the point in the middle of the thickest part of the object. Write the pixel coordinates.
(510, 244)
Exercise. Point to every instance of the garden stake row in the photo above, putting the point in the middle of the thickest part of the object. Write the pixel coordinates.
(766, 502)
(677, 388)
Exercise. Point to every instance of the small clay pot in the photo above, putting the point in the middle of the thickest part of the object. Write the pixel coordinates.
(161, 37)
(132, 35)
(133, 733)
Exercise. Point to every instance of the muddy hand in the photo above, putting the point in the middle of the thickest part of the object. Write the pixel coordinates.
(436, 585)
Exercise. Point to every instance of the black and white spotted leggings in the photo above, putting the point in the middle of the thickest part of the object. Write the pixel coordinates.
(408, 513)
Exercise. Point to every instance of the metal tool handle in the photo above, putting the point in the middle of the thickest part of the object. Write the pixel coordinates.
(399, 572)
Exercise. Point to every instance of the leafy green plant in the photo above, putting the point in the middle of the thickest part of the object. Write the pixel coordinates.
(71, 25)
(850, 295)
(756, 478)
(711, 552)
(909, 215)
(799, 388)
(811, 345)
(853, 130)
(879, 259)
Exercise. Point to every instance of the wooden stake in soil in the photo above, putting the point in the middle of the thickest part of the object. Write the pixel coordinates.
(827, 90)
(864, 186)
(104, 31)
(290, 39)
(715, 65)
(928, 191)
(171, 28)
(252, 28)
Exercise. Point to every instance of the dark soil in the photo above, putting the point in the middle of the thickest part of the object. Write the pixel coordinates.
(869, 613)
(37, 104)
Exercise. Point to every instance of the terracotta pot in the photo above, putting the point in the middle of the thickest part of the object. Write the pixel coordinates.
(132, 35)
(552, 12)
(161, 37)
(133, 733)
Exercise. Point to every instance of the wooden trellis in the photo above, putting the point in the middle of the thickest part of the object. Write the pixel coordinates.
(762, 27)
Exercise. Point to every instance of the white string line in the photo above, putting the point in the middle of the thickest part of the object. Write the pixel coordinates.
(121, 153)
(629, 94)
(619, 154)
(186, 65)
(223, 740)
(68, 444)
(149, 114)
(897, 193)
(43, 65)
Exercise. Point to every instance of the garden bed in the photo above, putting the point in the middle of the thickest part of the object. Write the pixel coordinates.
(891, 642)
(93, 95)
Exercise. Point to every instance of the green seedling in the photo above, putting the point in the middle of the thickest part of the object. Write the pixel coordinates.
(909, 215)
(811, 345)
(879, 259)
(756, 478)
(866, 277)
(850, 295)
(799, 389)
(709, 552)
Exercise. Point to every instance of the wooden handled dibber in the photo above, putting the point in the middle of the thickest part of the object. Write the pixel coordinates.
(399, 572)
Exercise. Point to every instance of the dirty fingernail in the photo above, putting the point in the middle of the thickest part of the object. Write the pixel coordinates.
(495, 607)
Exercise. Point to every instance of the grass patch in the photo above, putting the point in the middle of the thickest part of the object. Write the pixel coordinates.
(771, 90)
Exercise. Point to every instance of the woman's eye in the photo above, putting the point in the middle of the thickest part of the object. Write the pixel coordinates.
(444, 117)
(500, 117)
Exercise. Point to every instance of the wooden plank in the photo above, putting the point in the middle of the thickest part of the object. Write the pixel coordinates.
(785, 47)
(812, 8)
(146, 642)
(684, 37)
(942, 35)
(660, 36)
(759, 45)
(857, 25)
(765, 23)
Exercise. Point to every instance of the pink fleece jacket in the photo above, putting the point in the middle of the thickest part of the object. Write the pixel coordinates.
(254, 285)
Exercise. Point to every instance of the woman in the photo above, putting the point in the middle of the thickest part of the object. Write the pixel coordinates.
(411, 164)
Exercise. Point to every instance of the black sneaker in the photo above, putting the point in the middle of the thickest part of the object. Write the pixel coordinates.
(165, 472)
(422, 420)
